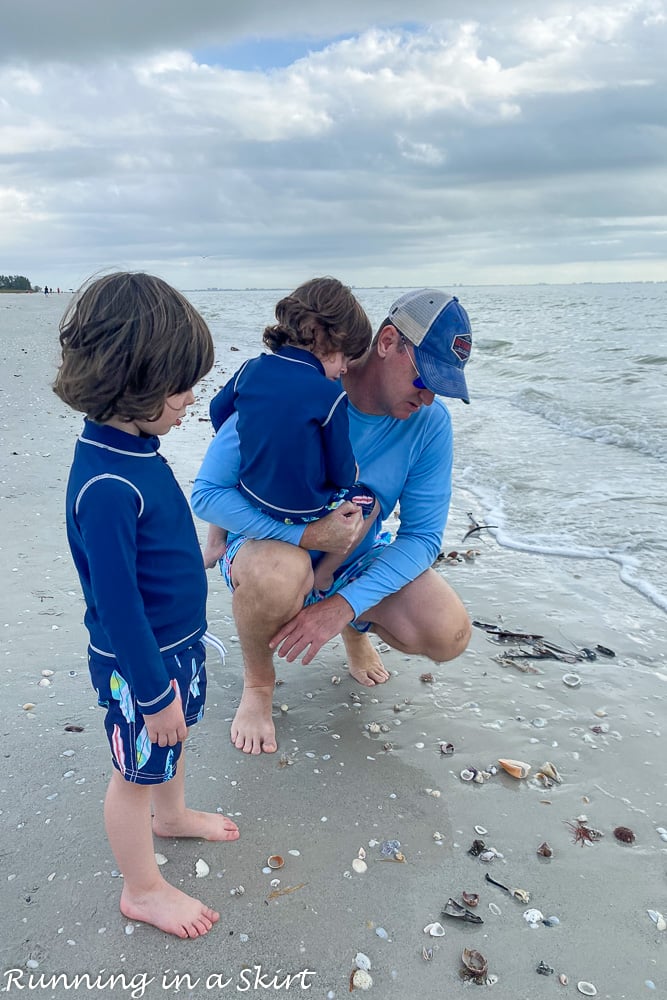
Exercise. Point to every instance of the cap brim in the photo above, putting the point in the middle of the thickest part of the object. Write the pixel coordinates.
(441, 378)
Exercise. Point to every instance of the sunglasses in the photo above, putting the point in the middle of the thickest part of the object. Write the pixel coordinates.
(417, 382)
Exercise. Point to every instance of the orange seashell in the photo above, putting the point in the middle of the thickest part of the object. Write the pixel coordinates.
(517, 768)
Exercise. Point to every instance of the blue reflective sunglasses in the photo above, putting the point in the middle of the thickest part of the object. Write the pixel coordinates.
(417, 382)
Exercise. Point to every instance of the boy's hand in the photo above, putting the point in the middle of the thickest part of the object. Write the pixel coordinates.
(216, 543)
(167, 728)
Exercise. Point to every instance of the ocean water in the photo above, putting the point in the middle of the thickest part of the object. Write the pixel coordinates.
(564, 445)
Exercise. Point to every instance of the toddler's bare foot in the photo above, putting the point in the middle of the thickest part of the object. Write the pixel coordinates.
(364, 662)
(253, 730)
(168, 909)
(191, 823)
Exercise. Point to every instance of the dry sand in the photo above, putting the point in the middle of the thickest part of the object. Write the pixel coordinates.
(332, 788)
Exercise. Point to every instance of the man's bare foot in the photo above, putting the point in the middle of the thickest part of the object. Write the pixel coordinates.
(169, 909)
(253, 730)
(191, 823)
(364, 662)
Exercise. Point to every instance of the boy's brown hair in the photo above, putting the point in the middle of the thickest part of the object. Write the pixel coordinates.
(128, 341)
(324, 314)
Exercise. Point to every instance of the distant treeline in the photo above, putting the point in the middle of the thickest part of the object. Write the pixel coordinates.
(14, 283)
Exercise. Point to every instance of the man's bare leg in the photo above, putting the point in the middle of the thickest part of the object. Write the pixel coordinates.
(271, 580)
(426, 618)
(363, 659)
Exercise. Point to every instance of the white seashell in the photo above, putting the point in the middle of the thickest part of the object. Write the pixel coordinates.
(587, 989)
(362, 961)
(44, 683)
(657, 919)
(438, 836)
(129, 928)
(571, 680)
(201, 869)
(359, 866)
(361, 853)
(362, 980)
(381, 933)
(160, 859)
(481, 830)
(533, 917)
(28, 707)
(284, 708)
(274, 883)
(48, 673)
(467, 774)
(435, 929)
(495, 909)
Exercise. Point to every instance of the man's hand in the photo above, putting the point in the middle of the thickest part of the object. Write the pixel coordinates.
(167, 728)
(311, 628)
(339, 532)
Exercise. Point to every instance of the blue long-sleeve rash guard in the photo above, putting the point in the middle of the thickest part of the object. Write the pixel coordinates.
(293, 430)
(136, 551)
(406, 462)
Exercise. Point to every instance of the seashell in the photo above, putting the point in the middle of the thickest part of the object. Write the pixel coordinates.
(335, 679)
(446, 749)
(489, 855)
(538, 723)
(373, 727)
(435, 929)
(237, 891)
(201, 869)
(587, 989)
(480, 777)
(474, 962)
(71, 728)
(476, 848)
(44, 683)
(48, 673)
(563, 980)
(522, 895)
(545, 850)
(657, 919)
(359, 866)
(517, 768)
(454, 909)
(571, 680)
(438, 836)
(533, 917)
(468, 773)
(426, 678)
(427, 953)
(544, 970)
(495, 909)
(550, 771)
(361, 853)
(470, 898)
(551, 921)
(275, 861)
(388, 848)
(28, 707)
(362, 961)
(481, 830)
(274, 883)
(284, 708)
(160, 859)
(361, 980)
(624, 834)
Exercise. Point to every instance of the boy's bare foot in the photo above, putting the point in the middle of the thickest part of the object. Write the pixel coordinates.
(253, 730)
(364, 662)
(169, 909)
(191, 823)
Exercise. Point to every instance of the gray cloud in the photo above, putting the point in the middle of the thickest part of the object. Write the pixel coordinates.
(520, 146)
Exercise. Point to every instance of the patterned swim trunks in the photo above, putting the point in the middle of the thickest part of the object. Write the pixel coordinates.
(132, 753)
(343, 576)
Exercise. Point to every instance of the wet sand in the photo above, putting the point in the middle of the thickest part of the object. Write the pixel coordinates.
(334, 787)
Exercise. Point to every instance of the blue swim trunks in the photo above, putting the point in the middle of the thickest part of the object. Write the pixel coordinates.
(358, 493)
(132, 753)
(342, 576)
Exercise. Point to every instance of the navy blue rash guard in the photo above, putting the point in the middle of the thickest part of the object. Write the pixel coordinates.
(293, 429)
(136, 551)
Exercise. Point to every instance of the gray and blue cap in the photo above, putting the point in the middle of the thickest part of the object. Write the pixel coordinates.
(437, 325)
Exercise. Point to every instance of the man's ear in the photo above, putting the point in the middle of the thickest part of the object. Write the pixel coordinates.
(387, 337)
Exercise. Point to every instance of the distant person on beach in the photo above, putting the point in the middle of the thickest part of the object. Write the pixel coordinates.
(132, 349)
(297, 463)
(403, 445)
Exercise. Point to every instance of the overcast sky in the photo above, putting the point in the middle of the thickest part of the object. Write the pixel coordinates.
(242, 143)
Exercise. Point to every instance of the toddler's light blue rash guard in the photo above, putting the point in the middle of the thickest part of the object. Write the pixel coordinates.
(136, 551)
(291, 418)
(408, 462)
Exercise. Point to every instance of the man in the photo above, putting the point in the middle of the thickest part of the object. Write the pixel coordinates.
(403, 445)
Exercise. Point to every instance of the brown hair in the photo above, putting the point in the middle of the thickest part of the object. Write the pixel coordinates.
(128, 341)
(324, 314)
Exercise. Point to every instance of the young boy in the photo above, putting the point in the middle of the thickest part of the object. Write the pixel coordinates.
(132, 349)
(297, 463)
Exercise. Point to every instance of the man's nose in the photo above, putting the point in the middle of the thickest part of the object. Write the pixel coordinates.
(426, 396)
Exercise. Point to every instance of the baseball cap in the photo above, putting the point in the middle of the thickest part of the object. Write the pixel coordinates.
(437, 325)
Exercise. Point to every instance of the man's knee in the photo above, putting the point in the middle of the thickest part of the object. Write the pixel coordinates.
(272, 571)
(450, 642)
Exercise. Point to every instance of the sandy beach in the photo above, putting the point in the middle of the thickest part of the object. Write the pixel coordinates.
(335, 786)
